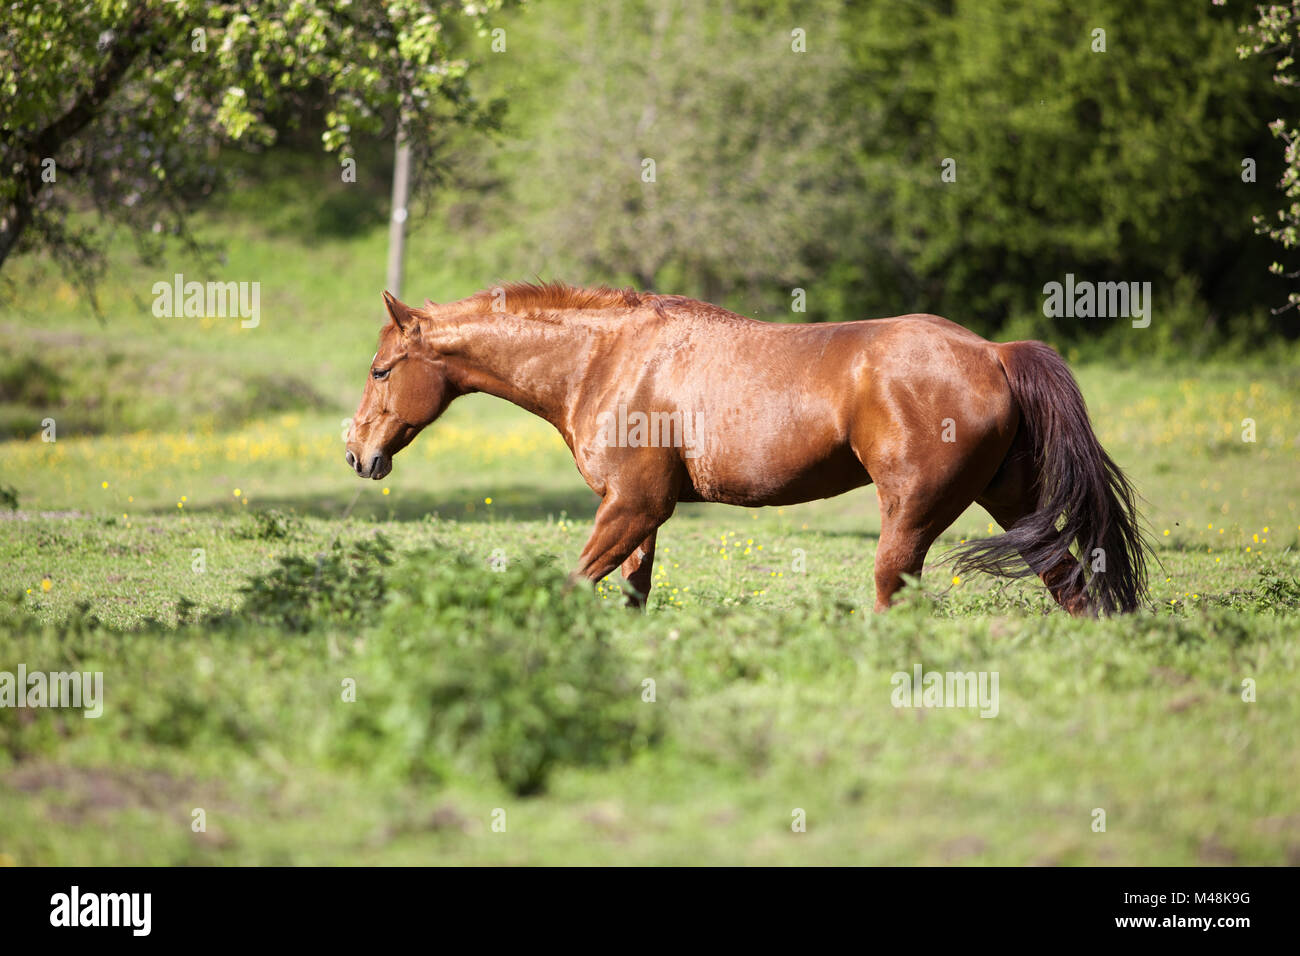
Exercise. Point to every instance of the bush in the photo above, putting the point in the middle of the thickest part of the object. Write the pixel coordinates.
(495, 670)
(334, 587)
(462, 667)
(270, 525)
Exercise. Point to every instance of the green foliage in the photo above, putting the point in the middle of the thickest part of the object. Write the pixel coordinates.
(1106, 164)
(500, 670)
(1277, 592)
(465, 665)
(457, 669)
(775, 169)
(1274, 33)
(131, 100)
(750, 184)
(339, 586)
(271, 524)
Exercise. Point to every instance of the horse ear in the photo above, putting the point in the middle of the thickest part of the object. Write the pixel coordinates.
(430, 305)
(402, 314)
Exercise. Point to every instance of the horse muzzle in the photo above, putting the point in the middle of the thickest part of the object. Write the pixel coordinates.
(376, 465)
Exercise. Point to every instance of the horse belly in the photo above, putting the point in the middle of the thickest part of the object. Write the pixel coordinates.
(780, 477)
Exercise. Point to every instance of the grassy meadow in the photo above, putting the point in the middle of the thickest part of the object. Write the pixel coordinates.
(194, 534)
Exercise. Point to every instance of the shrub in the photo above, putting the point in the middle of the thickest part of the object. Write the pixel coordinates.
(459, 666)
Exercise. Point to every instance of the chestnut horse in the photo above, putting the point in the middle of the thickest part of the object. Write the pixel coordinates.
(664, 399)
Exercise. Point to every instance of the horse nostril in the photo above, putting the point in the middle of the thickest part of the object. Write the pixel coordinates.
(351, 459)
(374, 464)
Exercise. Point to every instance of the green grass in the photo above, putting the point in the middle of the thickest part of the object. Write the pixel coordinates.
(480, 690)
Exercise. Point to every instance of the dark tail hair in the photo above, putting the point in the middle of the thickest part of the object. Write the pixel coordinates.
(1081, 494)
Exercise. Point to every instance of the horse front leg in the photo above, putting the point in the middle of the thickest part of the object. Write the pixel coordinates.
(624, 535)
(637, 570)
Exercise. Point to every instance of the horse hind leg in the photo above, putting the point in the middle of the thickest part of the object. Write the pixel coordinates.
(909, 524)
(921, 497)
(904, 543)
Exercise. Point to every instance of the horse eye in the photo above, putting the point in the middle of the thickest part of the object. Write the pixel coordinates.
(378, 374)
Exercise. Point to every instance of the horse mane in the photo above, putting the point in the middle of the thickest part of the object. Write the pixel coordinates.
(532, 300)
(523, 297)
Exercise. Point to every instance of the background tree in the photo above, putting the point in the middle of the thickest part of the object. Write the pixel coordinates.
(125, 104)
(1102, 154)
(699, 152)
(823, 169)
(1274, 34)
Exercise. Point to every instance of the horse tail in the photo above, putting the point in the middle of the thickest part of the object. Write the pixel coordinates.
(1081, 495)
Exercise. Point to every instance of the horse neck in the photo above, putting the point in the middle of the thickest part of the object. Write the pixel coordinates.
(533, 362)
